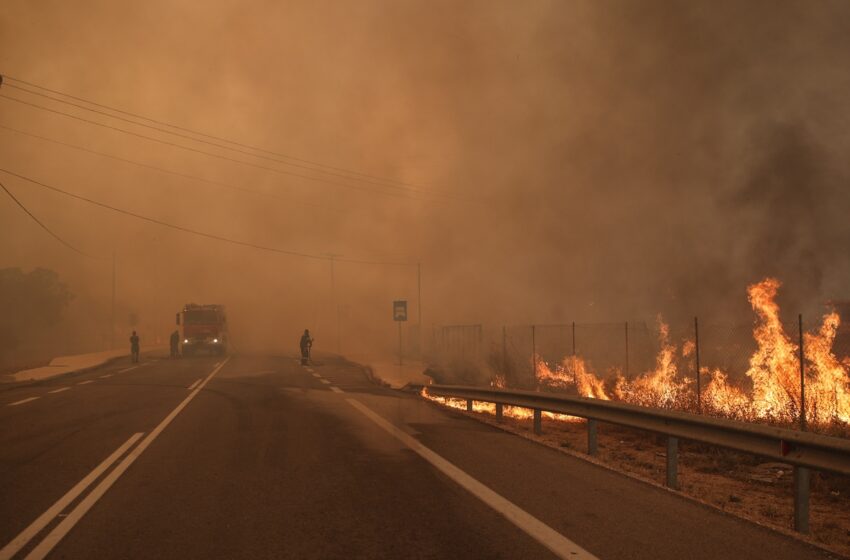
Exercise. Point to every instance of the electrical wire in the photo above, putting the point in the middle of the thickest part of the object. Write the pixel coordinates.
(43, 226)
(197, 232)
(223, 147)
(168, 171)
(210, 154)
(212, 137)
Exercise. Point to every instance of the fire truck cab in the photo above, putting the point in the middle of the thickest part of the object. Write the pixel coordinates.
(203, 328)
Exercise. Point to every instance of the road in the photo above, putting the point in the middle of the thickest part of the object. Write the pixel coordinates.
(259, 457)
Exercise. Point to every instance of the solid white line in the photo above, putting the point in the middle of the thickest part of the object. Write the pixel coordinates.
(45, 518)
(325, 381)
(56, 535)
(560, 545)
(127, 369)
(23, 401)
(192, 386)
(85, 382)
(337, 390)
(59, 390)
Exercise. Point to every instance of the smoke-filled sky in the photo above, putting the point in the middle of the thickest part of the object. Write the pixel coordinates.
(544, 161)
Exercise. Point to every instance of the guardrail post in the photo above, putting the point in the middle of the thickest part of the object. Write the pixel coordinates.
(469, 405)
(801, 499)
(499, 412)
(592, 442)
(538, 421)
(672, 461)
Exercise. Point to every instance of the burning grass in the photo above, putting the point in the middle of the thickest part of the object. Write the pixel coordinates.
(770, 391)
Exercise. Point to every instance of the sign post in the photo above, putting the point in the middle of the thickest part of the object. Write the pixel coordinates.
(399, 315)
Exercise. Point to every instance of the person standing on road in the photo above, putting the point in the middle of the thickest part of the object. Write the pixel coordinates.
(134, 347)
(306, 345)
(175, 340)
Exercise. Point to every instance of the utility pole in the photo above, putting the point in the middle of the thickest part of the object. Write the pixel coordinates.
(334, 302)
(419, 304)
(112, 319)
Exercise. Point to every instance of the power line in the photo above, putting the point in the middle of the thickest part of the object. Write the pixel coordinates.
(235, 143)
(210, 154)
(381, 183)
(196, 232)
(163, 170)
(44, 227)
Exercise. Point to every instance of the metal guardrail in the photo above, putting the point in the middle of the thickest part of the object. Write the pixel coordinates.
(804, 450)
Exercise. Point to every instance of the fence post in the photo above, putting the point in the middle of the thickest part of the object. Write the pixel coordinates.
(504, 350)
(802, 378)
(499, 411)
(533, 353)
(627, 348)
(696, 358)
(672, 461)
(538, 421)
(801, 499)
(574, 338)
(592, 440)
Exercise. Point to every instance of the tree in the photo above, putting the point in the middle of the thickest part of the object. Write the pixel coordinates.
(32, 302)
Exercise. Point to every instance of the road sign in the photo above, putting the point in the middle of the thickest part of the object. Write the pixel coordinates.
(400, 310)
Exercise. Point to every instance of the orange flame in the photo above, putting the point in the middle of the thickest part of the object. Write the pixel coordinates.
(774, 371)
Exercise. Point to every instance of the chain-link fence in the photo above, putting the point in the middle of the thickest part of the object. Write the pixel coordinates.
(746, 370)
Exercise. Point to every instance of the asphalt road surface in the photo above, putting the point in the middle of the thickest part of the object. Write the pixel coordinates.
(258, 457)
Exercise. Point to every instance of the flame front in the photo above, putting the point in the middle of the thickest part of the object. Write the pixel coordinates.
(773, 374)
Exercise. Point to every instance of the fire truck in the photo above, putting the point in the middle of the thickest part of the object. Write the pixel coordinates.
(203, 328)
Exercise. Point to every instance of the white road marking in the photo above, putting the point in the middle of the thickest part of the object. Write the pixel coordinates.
(56, 535)
(317, 376)
(325, 381)
(48, 516)
(85, 382)
(560, 545)
(311, 370)
(337, 390)
(127, 369)
(23, 401)
(105, 376)
(192, 386)
(59, 390)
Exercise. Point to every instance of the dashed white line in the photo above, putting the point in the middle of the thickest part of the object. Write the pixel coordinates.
(45, 518)
(311, 370)
(105, 376)
(59, 390)
(560, 545)
(336, 390)
(85, 382)
(127, 369)
(23, 401)
(325, 381)
(193, 385)
(56, 535)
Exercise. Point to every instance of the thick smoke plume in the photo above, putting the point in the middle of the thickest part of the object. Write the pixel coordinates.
(580, 161)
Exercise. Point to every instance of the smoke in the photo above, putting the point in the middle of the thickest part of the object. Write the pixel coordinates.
(582, 161)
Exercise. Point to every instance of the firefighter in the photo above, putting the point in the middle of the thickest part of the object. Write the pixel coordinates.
(175, 340)
(134, 347)
(306, 344)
